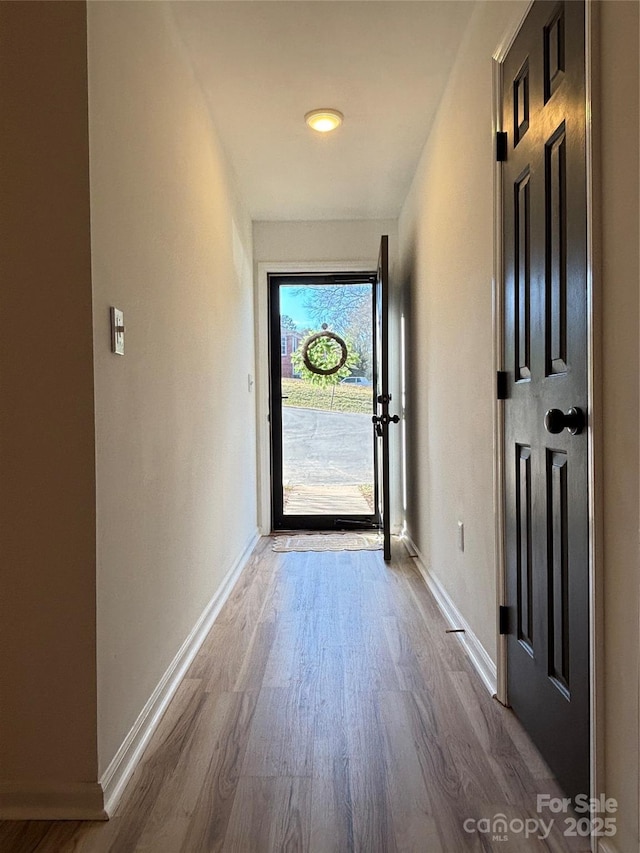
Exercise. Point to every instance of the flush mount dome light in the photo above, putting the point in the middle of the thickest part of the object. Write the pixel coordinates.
(324, 120)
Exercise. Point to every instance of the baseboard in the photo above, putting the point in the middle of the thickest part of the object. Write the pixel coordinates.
(119, 771)
(73, 801)
(478, 655)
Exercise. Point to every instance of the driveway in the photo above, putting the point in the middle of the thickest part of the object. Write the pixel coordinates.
(322, 448)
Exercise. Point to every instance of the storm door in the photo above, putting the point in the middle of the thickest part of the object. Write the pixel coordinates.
(322, 401)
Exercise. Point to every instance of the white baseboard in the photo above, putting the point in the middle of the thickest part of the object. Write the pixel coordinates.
(478, 655)
(71, 801)
(119, 771)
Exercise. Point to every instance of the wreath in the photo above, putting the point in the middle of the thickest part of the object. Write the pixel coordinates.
(320, 354)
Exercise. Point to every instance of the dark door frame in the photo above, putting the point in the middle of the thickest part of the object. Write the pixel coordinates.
(280, 521)
(596, 620)
(263, 438)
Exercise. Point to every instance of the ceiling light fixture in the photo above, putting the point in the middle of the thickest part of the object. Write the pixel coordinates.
(324, 120)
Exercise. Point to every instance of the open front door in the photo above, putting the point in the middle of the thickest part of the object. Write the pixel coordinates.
(546, 431)
(382, 419)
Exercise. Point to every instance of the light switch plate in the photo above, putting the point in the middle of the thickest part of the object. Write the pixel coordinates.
(117, 331)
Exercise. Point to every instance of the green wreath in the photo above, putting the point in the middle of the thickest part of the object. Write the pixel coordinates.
(321, 353)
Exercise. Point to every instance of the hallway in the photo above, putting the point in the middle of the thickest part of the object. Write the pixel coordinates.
(327, 710)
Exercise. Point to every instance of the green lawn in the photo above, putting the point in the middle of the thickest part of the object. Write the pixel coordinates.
(342, 398)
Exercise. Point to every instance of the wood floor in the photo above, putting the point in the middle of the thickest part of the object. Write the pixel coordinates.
(328, 711)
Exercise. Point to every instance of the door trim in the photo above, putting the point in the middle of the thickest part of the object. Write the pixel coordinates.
(594, 378)
(261, 306)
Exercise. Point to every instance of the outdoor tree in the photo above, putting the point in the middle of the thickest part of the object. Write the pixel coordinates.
(287, 323)
(347, 309)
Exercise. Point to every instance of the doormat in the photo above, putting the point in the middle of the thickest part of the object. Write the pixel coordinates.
(329, 542)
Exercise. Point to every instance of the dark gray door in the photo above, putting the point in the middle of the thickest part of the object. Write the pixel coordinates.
(546, 450)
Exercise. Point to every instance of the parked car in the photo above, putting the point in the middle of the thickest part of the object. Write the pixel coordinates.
(355, 380)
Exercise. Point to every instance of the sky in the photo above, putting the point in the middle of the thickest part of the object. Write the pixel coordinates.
(294, 296)
(291, 303)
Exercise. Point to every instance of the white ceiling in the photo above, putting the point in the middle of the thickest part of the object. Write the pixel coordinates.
(263, 65)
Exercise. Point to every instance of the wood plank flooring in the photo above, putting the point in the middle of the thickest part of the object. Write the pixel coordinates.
(327, 711)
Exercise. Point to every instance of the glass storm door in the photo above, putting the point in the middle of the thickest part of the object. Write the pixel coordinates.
(322, 400)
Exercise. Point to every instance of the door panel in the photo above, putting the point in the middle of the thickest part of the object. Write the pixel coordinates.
(522, 215)
(546, 481)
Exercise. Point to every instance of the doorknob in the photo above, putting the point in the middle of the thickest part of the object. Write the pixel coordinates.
(382, 421)
(385, 419)
(555, 421)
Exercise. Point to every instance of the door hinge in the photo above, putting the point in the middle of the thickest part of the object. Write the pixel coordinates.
(501, 146)
(502, 384)
(503, 619)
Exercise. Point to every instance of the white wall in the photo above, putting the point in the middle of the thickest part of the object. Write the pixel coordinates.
(175, 421)
(337, 240)
(620, 293)
(446, 244)
(446, 261)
